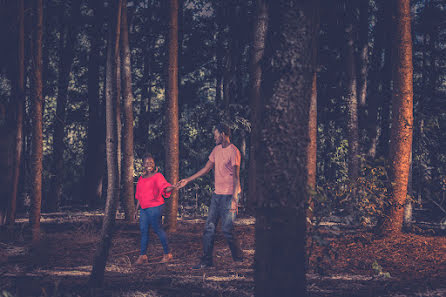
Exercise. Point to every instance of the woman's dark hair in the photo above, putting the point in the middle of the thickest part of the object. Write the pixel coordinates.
(223, 128)
(147, 156)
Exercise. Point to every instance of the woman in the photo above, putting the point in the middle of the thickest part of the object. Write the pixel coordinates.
(151, 190)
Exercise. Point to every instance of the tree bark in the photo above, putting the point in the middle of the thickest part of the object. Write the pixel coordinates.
(127, 171)
(258, 48)
(19, 106)
(37, 139)
(312, 124)
(402, 120)
(363, 51)
(282, 195)
(101, 254)
(66, 60)
(352, 100)
(95, 155)
(172, 152)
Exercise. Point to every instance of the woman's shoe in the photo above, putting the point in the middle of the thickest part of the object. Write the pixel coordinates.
(142, 259)
(166, 258)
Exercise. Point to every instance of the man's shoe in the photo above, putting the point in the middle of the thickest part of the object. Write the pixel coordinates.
(142, 259)
(239, 259)
(166, 258)
(202, 265)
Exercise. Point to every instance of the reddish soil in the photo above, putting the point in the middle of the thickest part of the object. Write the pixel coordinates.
(407, 265)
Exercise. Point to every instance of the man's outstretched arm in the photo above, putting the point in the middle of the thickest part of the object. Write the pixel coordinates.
(209, 165)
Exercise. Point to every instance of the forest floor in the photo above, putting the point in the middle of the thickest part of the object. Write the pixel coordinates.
(348, 263)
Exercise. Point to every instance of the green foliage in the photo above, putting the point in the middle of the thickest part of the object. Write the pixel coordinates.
(378, 270)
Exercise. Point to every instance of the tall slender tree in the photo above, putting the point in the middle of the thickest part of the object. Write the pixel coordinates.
(37, 139)
(19, 106)
(402, 119)
(127, 168)
(101, 254)
(312, 125)
(351, 96)
(363, 51)
(69, 30)
(172, 151)
(282, 179)
(95, 152)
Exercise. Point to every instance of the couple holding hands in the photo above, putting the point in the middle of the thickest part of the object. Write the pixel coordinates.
(152, 188)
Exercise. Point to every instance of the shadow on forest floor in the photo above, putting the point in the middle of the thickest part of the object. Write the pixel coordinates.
(355, 264)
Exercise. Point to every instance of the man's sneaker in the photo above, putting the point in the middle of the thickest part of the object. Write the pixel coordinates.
(142, 259)
(202, 265)
(166, 258)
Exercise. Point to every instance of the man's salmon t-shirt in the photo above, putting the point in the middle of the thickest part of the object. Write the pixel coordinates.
(151, 190)
(224, 159)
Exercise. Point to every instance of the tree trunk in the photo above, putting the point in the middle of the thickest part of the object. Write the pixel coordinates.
(352, 100)
(258, 48)
(66, 60)
(172, 151)
(402, 120)
(282, 185)
(363, 51)
(101, 254)
(386, 80)
(312, 124)
(127, 172)
(312, 146)
(37, 139)
(95, 155)
(19, 106)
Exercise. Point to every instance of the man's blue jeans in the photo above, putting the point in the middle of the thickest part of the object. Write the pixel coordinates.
(220, 209)
(151, 217)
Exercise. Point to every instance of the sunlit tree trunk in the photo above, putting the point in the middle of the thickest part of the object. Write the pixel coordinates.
(19, 106)
(312, 124)
(352, 99)
(127, 171)
(402, 119)
(66, 60)
(101, 254)
(281, 184)
(37, 139)
(255, 70)
(95, 155)
(172, 149)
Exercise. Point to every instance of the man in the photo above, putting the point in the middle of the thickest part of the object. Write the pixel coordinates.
(225, 159)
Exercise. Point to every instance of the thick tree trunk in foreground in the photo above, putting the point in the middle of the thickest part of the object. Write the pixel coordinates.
(402, 120)
(127, 168)
(37, 139)
(258, 48)
(172, 150)
(101, 254)
(282, 185)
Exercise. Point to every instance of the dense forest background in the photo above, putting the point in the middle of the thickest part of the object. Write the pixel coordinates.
(215, 43)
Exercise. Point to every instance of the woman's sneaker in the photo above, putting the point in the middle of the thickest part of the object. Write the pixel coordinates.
(142, 259)
(166, 258)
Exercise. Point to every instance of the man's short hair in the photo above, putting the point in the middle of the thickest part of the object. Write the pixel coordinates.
(223, 128)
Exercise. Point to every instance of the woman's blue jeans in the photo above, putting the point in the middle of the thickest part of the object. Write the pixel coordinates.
(220, 209)
(151, 217)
